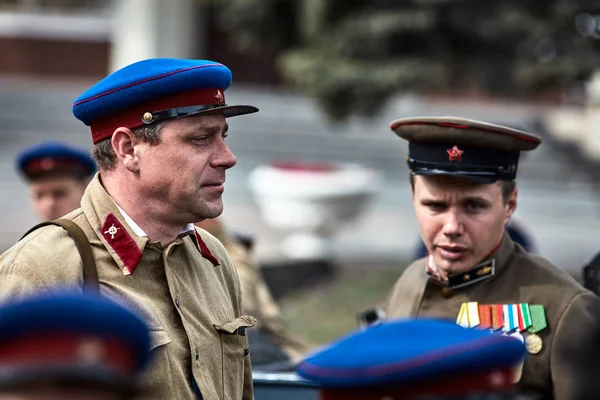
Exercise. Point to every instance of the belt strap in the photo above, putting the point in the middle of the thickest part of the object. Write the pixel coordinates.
(90, 272)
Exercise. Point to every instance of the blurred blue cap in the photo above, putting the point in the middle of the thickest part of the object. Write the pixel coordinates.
(50, 158)
(400, 353)
(71, 337)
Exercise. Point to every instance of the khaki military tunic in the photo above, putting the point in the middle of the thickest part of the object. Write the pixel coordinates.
(188, 292)
(568, 365)
(257, 298)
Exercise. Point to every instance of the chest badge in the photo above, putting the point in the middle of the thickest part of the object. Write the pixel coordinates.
(533, 343)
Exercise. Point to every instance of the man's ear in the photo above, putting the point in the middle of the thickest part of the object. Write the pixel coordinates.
(511, 205)
(123, 142)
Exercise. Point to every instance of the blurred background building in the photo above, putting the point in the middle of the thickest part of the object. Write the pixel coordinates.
(328, 77)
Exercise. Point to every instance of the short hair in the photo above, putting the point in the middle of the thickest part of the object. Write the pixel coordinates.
(104, 155)
(507, 187)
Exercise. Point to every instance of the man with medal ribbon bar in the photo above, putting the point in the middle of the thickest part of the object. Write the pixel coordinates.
(463, 177)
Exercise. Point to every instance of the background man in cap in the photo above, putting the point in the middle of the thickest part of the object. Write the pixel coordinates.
(56, 176)
(158, 128)
(464, 193)
(273, 345)
(70, 347)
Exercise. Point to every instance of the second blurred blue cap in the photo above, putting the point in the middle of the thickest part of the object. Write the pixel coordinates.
(407, 350)
(51, 158)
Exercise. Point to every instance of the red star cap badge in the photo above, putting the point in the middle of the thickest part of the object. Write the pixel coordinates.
(47, 163)
(454, 154)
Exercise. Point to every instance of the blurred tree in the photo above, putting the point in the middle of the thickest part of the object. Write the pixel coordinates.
(352, 55)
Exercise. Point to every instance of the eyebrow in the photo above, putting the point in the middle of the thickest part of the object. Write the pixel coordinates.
(211, 130)
(479, 199)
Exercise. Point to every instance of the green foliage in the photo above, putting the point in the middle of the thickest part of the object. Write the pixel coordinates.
(352, 55)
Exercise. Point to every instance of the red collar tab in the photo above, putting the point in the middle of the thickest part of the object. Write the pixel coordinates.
(205, 251)
(121, 242)
(103, 127)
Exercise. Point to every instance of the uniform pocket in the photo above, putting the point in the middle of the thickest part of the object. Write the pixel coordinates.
(234, 349)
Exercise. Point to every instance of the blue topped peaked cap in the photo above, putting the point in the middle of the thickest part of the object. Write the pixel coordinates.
(156, 89)
(71, 337)
(409, 351)
(52, 157)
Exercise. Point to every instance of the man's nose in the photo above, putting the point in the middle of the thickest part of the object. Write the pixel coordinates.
(453, 226)
(225, 157)
(46, 206)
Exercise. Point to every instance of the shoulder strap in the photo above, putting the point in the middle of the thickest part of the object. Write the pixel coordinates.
(90, 272)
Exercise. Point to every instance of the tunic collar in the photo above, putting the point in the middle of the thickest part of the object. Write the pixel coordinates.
(121, 236)
(488, 268)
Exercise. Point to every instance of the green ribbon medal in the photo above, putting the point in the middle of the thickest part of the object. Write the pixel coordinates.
(538, 318)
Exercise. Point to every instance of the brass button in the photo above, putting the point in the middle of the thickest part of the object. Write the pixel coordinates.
(147, 117)
(447, 293)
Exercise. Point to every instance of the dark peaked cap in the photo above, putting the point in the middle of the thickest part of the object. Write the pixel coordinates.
(474, 150)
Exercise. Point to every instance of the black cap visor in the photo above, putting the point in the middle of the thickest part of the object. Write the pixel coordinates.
(477, 177)
(210, 109)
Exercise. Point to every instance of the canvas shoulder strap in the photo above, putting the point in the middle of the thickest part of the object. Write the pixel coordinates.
(90, 272)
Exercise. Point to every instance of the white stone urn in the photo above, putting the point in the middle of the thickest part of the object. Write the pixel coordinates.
(312, 201)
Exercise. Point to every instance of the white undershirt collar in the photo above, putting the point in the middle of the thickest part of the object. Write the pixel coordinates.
(139, 231)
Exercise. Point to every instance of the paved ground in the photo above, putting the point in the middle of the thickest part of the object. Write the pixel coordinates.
(557, 202)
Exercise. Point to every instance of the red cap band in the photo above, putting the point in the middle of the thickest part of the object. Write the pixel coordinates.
(45, 165)
(478, 382)
(103, 127)
(67, 349)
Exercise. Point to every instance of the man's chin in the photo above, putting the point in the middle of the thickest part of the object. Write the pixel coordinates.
(210, 211)
(452, 267)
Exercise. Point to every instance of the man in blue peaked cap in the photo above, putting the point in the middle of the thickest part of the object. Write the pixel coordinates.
(56, 175)
(70, 347)
(159, 130)
(413, 359)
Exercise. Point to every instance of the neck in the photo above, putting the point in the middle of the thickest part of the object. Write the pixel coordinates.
(149, 214)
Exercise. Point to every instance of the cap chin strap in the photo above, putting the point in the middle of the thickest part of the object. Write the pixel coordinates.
(177, 112)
